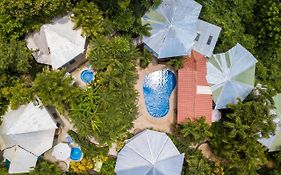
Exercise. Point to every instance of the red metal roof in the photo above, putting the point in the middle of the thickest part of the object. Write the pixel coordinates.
(190, 104)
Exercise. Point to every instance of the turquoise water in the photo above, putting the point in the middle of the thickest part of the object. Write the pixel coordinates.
(87, 76)
(157, 89)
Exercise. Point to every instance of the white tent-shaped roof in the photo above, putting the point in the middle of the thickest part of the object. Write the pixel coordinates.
(174, 27)
(30, 128)
(231, 75)
(149, 153)
(18, 156)
(273, 143)
(56, 44)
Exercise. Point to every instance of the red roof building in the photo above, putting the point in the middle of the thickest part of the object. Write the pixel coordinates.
(194, 96)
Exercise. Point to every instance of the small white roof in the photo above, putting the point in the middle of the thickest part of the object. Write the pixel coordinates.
(149, 153)
(56, 44)
(207, 37)
(21, 161)
(61, 151)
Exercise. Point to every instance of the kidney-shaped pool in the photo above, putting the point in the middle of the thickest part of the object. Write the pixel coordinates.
(157, 89)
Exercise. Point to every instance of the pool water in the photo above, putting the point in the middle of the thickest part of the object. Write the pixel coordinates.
(157, 89)
(76, 153)
(87, 76)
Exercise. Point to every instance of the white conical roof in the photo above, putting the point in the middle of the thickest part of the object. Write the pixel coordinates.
(57, 43)
(174, 27)
(26, 119)
(21, 161)
(149, 153)
(231, 75)
(30, 126)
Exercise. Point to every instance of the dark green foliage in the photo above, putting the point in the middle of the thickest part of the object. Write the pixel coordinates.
(46, 168)
(235, 136)
(232, 16)
(55, 88)
(88, 148)
(145, 59)
(6, 82)
(21, 93)
(3, 169)
(195, 132)
(89, 17)
(126, 15)
(269, 25)
(187, 135)
(109, 107)
(274, 165)
(19, 17)
(125, 22)
(108, 167)
(268, 69)
(195, 163)
(176, 63)
(14, 56)
(83, 110)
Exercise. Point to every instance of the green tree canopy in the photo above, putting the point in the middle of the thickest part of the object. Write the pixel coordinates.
(89, 17)
(14, 56)
(19, 17)
(232, 16)
(109, 106)
(195, 132)
(235, 136)
(54, 88)
(269, 24)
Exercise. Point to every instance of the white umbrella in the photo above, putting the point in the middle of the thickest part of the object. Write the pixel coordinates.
(174, 27)
(231, 75)
(149, 153)
(61, 151)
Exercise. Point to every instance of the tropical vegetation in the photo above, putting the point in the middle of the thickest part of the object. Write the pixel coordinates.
(106, 109)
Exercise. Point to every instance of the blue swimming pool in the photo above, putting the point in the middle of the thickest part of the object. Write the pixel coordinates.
(157, 89)
(76, 153)
(87, 76)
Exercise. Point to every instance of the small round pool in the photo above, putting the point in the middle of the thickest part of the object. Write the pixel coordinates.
(157, 89)
(76, 153)
(87, 76)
